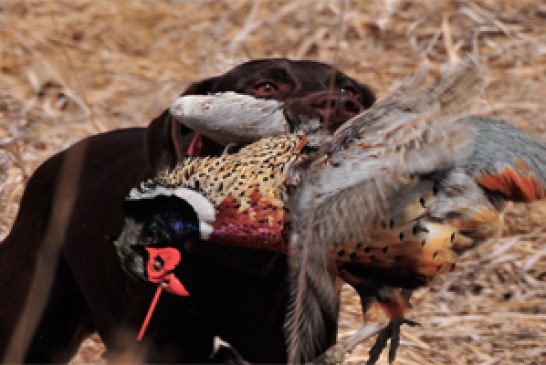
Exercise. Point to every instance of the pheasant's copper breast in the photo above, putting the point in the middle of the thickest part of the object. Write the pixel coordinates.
(410, 241)
(247, 189)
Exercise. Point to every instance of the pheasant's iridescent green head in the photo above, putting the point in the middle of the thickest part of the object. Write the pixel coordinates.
(159, 218)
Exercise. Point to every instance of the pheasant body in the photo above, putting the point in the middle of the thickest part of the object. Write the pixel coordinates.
(387, 203)
(249, 192)
(408, 241)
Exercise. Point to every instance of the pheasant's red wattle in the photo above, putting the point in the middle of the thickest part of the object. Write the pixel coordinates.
(169, 258)
(159, 268)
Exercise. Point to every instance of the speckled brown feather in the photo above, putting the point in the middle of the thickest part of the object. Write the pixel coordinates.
(408, 241)
(247, 189)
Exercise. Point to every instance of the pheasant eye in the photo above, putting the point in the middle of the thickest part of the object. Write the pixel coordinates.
(154, 234)
(158, 263)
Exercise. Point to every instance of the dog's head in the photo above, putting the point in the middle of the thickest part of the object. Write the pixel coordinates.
(309, 89)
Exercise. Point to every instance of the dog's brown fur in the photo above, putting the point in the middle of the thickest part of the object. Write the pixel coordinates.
(235, 294)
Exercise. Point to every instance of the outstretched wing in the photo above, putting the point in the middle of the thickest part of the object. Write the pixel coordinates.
(342, 191)
(454, 93)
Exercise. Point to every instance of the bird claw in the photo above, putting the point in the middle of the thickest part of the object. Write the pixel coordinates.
(336, 353)
(392, 332)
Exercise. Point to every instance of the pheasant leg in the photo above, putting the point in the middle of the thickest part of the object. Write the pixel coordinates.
(393, 301)
(392, 332)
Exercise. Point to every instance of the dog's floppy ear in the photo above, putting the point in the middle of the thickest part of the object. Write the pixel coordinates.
(163, 142)
(167, 140)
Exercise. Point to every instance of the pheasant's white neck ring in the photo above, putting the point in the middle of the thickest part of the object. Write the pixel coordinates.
(201, 205)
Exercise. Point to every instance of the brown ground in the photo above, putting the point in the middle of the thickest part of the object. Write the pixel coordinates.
(74, 68)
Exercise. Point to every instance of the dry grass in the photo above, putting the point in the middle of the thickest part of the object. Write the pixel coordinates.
(73, 68)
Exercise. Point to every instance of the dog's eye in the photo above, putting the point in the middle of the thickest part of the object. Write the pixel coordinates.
(348, 90)
(267, 88)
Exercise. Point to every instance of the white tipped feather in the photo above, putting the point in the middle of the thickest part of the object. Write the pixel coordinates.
(230, 118)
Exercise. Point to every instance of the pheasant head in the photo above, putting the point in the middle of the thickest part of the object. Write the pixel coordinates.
(157, 218)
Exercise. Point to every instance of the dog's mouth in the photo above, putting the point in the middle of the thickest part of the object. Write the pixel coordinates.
(200, 145)
(196, 146)
(229, 119)
(194, 149)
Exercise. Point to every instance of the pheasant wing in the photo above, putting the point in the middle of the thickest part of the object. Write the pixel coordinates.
(339, 193)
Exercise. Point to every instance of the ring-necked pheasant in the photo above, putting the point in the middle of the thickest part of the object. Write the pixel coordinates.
(386, 203)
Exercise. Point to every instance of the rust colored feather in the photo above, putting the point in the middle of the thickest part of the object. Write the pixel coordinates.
(514, 184)
(261, 225)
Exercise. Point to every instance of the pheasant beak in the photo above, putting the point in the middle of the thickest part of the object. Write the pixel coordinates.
(160, 266)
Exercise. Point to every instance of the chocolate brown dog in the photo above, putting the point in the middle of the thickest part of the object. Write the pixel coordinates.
(72, 204)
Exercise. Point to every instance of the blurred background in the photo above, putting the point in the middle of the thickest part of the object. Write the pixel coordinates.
(70, 69)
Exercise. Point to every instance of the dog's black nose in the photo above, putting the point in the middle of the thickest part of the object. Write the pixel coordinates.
(340, 102)
(335, 108)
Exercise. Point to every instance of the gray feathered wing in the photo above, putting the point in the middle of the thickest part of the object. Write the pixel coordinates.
(339, 193)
